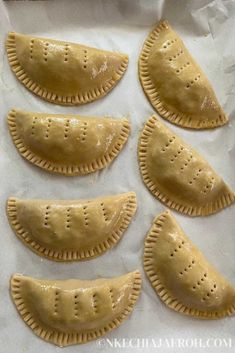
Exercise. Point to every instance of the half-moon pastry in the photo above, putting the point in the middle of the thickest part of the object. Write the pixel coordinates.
(174, 83)
(180, 274)
(62, 72)
(69, 230)
(66, 312)
(67, 144)
(177, 175)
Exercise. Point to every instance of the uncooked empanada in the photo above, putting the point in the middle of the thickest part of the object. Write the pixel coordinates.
(66, 312)
(62, 72)
(71, 230)
(175, 173)
(175, 84)
(67, 144)
(180, 274)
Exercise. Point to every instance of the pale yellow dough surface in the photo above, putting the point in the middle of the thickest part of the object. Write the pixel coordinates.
(175, 84)
(66, 312)
(177, 175)
(180, 274)
(62, 72)
(70, 230)
(67, 144)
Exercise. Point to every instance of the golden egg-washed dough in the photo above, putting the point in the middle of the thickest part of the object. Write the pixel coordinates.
(177, 175)
(174, 83)
(69, 230)
(62, 72)
(181, 275)
(67, 144)
(66, 312)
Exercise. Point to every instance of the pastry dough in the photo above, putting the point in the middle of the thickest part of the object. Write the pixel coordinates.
(67, 144)
(175, 84)
(178, 175)
(71, 230)
(74, 311)
(62, 72)
(180, 274)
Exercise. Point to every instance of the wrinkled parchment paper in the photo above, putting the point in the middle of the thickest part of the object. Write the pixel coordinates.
(208, 29)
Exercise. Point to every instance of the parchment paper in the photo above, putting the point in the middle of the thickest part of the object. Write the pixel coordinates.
(208, 29)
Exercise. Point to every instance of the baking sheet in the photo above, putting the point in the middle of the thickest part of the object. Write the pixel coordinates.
(208, 29)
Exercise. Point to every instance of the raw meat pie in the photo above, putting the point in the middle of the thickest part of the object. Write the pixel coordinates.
(180, 274)
(67, 144)
(175, 84)
(69, 230)
(62, 72)
(73, 311)
(175, 173)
